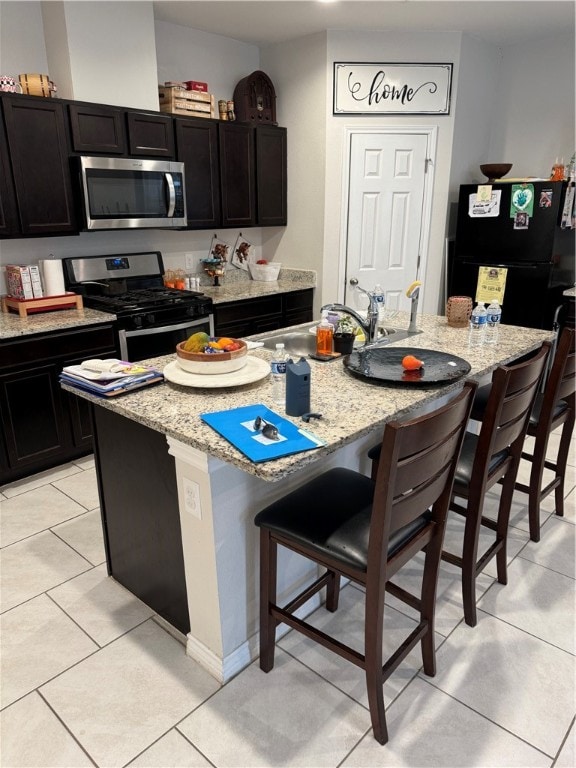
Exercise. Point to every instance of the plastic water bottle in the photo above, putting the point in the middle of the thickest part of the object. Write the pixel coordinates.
(478, 324)
(493, 317)
(380, 297)
(278, 375)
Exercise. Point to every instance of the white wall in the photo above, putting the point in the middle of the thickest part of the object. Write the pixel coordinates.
(476, 113)
(386, 46)
(103, 52)
(188, 54)
(22, 47)
(535, 106)
(298, 71)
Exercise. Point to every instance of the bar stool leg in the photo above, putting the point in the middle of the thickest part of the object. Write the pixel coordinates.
(332, 591)
(268, 563)
(469, 556)
(562, 461)
(373, 624)
(534, 488)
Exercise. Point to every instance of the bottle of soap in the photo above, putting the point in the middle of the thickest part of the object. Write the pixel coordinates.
(324, 334)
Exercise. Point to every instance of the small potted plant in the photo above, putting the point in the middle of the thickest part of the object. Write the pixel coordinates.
(344, 335)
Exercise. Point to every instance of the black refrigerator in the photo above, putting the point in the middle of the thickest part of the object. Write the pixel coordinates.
(537, 253)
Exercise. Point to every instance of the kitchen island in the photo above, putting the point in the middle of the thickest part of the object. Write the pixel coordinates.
(178, 501)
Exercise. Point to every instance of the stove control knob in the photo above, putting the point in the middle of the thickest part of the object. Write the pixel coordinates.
(191, 311)
(138, 321)
(150, 319)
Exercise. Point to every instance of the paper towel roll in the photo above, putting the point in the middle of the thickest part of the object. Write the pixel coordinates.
(52, 276)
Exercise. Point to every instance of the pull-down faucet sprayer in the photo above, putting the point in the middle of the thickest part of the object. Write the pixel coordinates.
(369, 324)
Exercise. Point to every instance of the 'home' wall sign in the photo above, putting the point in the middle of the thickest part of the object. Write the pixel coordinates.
(391, 89)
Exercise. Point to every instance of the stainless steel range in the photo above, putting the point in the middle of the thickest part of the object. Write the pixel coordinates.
(151, 319)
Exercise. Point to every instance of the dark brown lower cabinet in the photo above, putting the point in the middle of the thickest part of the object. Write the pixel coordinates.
(265, 313)
(42, 425)
(140, 515)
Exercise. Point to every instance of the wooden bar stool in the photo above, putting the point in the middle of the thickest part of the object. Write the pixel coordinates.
(554, 407)
(366, 531)
(488, 458)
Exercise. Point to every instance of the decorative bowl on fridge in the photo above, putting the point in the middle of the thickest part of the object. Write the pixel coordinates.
(495, 171)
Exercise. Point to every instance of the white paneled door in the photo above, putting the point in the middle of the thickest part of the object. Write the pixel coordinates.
(388, 216)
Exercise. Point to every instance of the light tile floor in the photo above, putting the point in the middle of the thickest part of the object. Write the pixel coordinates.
(90, 678)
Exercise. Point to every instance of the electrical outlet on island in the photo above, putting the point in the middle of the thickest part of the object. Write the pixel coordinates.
(189, 261)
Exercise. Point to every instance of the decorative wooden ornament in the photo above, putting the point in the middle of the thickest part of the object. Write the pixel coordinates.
(255, 99)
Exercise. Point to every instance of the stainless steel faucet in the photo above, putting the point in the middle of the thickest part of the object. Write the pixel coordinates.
(370, 324)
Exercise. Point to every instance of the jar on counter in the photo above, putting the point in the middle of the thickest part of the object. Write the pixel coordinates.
(180, 279)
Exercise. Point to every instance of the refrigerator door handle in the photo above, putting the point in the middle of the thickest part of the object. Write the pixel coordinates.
(525, 265)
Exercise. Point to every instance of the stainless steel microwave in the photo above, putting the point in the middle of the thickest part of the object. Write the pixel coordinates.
(127, 193)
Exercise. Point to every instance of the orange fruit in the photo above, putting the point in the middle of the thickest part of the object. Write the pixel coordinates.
(224, 342)
(411, 363)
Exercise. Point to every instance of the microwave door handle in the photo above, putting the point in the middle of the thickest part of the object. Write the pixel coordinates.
(171, 195)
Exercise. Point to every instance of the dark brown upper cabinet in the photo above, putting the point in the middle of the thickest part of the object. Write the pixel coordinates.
(9, 222)
(150, 135)
(97, 129)
(38, 149)
(237, 176)
(197, 148)
(271, 181)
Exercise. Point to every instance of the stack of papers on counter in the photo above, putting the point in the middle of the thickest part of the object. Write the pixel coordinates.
(237, 426)
(109, 378)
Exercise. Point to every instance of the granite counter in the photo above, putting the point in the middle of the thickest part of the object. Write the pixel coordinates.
(350, 408)
(165, 476)
(236, 286)
(12, 325)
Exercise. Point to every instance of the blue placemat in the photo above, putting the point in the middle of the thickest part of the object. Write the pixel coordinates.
(237, 426)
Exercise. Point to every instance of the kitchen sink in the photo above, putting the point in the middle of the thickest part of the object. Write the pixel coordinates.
(300, 342)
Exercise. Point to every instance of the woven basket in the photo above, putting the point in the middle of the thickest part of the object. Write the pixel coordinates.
(458, 311)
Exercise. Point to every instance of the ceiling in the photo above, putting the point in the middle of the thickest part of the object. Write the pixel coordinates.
(262, 22)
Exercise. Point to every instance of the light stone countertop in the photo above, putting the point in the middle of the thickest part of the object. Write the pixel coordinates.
(12, 325)
(570, 293)
(237, 285)
(351, 407)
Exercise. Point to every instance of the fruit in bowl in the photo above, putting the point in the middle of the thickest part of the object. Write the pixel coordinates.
(204, 354)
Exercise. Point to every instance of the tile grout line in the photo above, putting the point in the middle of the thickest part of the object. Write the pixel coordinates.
(57, 716)
(430, 681)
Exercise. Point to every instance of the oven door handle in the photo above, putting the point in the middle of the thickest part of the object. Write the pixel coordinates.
(167, 328)
(171, 195)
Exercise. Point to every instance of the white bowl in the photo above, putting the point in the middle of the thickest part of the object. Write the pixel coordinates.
(264, 273)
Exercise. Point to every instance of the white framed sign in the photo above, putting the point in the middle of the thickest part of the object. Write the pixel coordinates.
(362, 88)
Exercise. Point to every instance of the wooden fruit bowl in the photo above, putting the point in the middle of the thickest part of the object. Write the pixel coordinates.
(207, 363)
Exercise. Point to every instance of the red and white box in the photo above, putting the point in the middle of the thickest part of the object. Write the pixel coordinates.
(195, 85)
(19, 282)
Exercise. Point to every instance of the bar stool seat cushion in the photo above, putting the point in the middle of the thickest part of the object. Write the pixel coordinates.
(465, 464)
(559, 408)
(331, 515)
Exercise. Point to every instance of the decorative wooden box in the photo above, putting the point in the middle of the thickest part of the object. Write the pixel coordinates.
(179, 101)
